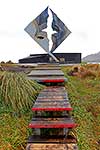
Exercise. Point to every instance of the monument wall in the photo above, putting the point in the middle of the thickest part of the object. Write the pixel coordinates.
(64, 58)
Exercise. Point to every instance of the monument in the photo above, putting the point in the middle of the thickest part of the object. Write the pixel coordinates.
(37, 30)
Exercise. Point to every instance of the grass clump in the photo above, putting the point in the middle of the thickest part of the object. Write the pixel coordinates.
(17, 91)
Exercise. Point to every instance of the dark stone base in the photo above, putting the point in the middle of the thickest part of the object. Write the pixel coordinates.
(64, 58)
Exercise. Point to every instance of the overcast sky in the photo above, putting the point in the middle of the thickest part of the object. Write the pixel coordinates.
(80, 16)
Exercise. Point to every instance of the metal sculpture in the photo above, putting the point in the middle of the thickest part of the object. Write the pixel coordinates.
(36, 30)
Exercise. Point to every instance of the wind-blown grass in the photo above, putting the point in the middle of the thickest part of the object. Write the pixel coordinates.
(17, 91)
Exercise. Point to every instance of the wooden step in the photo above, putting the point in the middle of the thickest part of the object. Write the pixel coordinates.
(45, 73)
(48, 65)
(47, 76)
(54, 88)
(52, 123)
(51, 139)
(44, 94)
(52, 99)
(52, 106)
(48, 68)
(53, 94)
(49, 79)
(40, 146)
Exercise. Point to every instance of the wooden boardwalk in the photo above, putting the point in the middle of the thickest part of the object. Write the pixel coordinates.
(51, 111)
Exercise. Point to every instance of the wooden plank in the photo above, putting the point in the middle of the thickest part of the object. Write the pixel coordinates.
(52, 99)
(50, 90)
(45, 93)
(53, 80)
(52, 123)
(46, 96)
(60, 90)
(46, 73)
(48, 79)
(47, 147)
(52, 106)
(53, 93)
(51, 139)
(47, 68)
(54, 88)
(51, 146)
(48, 65)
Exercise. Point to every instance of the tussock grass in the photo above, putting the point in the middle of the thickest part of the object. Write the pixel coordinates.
(85, 71)
(17, 92)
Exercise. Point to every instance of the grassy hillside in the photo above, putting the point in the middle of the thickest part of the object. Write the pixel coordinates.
(84, 93)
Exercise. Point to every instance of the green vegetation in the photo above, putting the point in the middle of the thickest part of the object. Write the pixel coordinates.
(14, 131)
(84, 95)
(17, 94)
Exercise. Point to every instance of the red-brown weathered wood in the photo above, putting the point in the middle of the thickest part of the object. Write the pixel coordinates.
(52, 99)
(52, 123)
(51, 139)
(40, 146)
(52, 106)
